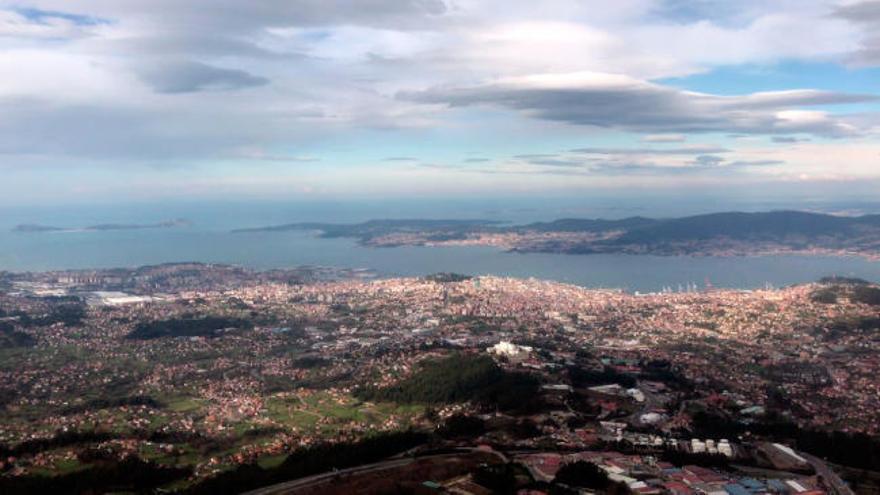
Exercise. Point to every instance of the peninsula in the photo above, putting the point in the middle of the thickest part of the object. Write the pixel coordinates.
(716, 234)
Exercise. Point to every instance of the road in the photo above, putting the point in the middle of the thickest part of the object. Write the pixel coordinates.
(652, 402)
(288, 486)
(834, 482)
(837, 485)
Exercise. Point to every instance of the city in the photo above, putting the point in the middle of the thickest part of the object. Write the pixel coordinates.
(439, 247)
(200, 369)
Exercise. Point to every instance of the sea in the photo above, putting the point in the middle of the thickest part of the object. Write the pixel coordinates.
(210, 239)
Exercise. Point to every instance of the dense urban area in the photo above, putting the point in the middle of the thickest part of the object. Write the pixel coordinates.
(194, 378)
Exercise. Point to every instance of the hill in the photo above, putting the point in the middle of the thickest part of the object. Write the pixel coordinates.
(460, 378)
(725, 233)
(748, 226)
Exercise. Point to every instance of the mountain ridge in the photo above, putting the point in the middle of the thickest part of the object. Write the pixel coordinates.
(721, 233)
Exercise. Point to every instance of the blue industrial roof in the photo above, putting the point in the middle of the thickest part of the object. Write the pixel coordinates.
(751, 484)
(736, 489)
(777, 485)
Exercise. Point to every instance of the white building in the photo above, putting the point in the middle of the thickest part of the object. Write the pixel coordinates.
(509, 349)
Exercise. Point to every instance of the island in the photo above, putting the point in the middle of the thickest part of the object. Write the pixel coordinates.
(31, 228)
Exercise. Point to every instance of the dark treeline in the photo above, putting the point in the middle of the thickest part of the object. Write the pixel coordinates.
(310, 362)
(199, 442)
(7, 395)
(62, 439)
(502, 479)
(106, 473)
(856, 450)
(208, 326)
(661, 370)
(461, 425)
(10, 337)
(447, 277)
(841, 280)
(460, 378)
(847, 326)
(866, 295)
(681, 458)
(825, 295)
(859, 291)
(582, 378)
(129, 475)
(313, 460)
(106, 403)
(583, 474)
(69, 314)
(84, 438)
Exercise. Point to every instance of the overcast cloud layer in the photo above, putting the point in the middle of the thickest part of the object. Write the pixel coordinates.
(200, 97)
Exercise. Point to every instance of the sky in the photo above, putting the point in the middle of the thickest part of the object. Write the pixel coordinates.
(156, 100)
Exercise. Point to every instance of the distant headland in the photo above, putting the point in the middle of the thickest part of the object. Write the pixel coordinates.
(716, 234)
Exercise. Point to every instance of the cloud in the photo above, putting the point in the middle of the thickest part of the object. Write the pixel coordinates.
(189, 77)
(438, 166)
(258, 154)
(865, 15)
(193, 44)
(621, 102)
(635, 161)
(787, 139)
(865, 11)
(45, 17)
(664, 138)
(170, 83)
(708, 161)
(536, 156)
(706, 166)
(689, 150)
(755, 163)
(180, 134)
(703, 164)
(556, 162)
(551, 159)
(76, 131)
(35, 24)
(401, 159)
(232, 15)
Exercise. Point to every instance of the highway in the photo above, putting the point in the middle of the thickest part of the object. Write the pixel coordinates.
(289, 486)
(834, 482)
(837, 485)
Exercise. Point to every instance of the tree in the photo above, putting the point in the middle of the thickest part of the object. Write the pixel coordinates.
(582, 474)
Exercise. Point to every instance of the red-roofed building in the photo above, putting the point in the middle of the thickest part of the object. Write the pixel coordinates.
(647, 490)
(543, 466)
(704, 474)
(678, 488)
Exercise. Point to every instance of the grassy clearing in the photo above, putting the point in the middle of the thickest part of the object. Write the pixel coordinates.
(270, 462)
(326, 412)
(182, 404)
